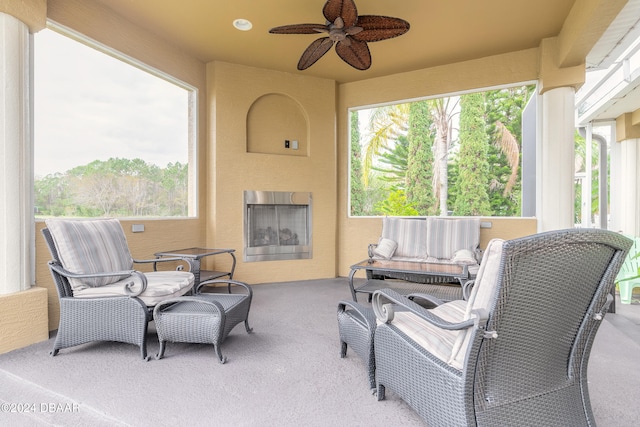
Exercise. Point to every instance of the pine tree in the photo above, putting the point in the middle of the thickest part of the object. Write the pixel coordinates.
(357, 188)
(419, 177)
(472, 184)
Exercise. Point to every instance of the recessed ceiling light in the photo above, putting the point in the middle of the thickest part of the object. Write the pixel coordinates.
(242, 24)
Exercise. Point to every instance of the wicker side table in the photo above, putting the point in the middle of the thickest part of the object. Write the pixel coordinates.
(202, 318)
(356, 325)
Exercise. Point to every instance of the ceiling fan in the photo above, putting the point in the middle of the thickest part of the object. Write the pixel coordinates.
(348, 31)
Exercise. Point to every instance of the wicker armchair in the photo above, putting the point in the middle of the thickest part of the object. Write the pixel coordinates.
(102, 298)
(516, 353)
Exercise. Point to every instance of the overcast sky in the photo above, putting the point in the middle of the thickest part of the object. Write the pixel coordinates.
(90, 106)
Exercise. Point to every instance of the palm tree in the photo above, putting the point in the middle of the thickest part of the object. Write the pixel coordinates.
(442, 112)
(386, 124)
(510, 148)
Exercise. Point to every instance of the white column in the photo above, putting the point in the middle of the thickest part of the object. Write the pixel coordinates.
(588, 179)
(555, 166)
(629, 185)
(615, 184)
(15, 157)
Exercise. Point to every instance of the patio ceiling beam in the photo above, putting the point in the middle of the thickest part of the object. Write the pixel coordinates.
(585, 25)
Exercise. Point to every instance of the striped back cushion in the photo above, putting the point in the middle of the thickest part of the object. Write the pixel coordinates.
(410, 234)
(91, 246)
(448, 235)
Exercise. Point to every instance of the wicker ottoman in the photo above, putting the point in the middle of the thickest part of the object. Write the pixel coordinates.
(356, 325)
(201, 318)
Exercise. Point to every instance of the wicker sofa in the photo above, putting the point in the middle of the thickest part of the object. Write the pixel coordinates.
(429, 240)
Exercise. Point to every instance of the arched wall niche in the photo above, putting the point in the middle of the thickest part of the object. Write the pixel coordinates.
(277, 124)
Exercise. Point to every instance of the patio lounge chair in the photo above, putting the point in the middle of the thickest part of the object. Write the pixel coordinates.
(629, 276)
(102, 298)
(516, 353)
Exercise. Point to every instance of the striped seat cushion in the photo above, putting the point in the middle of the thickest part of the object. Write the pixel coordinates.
(91, 246)
(451, 346)
(161, 285)
(439, 342)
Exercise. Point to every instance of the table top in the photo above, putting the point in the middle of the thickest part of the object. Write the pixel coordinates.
(428, 268)
(196, 253)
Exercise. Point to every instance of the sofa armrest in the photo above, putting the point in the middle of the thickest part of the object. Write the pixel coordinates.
(370, 249)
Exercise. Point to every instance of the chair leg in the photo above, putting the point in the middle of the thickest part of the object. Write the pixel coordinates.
(221, 358)
(160, 354)
(625, 292)
(380, 392)
(343, 349)
(247, 327)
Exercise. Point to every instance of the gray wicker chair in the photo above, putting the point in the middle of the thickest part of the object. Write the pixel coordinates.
(518, 349)
(98, 303)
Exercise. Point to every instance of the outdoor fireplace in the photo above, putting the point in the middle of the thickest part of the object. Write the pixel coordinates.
(277, 225)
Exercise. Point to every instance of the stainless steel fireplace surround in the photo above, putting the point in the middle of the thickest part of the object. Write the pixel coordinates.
(277, 225)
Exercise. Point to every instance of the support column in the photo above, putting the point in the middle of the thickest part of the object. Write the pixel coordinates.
(616, 199)
(555, 160)
(629, 185)
(23, 307)
(16, 217)
(628, 138)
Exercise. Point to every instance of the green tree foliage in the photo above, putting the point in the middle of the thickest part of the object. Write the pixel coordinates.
(357, 195)
(116, 187)
(472, 183)
(419, 176)
(392, 175)
(386, 124)
(443, 171)
(393, 164)
(504, 123)
(395, 205)
(580, 145)
(52, 195)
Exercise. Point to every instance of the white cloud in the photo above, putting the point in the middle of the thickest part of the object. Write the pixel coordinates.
(90, 106)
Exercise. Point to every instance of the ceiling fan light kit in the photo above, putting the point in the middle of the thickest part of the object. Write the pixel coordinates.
(349, 32)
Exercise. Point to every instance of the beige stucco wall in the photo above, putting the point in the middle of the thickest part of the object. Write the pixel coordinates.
(233, 89)
(354, 234)
(23, 318)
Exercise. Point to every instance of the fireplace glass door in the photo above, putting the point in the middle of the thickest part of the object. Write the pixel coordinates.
(277, 228)
(278, 225)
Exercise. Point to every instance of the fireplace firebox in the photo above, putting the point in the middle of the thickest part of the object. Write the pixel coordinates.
(277, 225)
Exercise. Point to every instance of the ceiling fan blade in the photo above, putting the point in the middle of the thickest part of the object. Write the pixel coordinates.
(376, 28)
(355, 53)
(314, 52)
(299, 29)
(345, 9)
